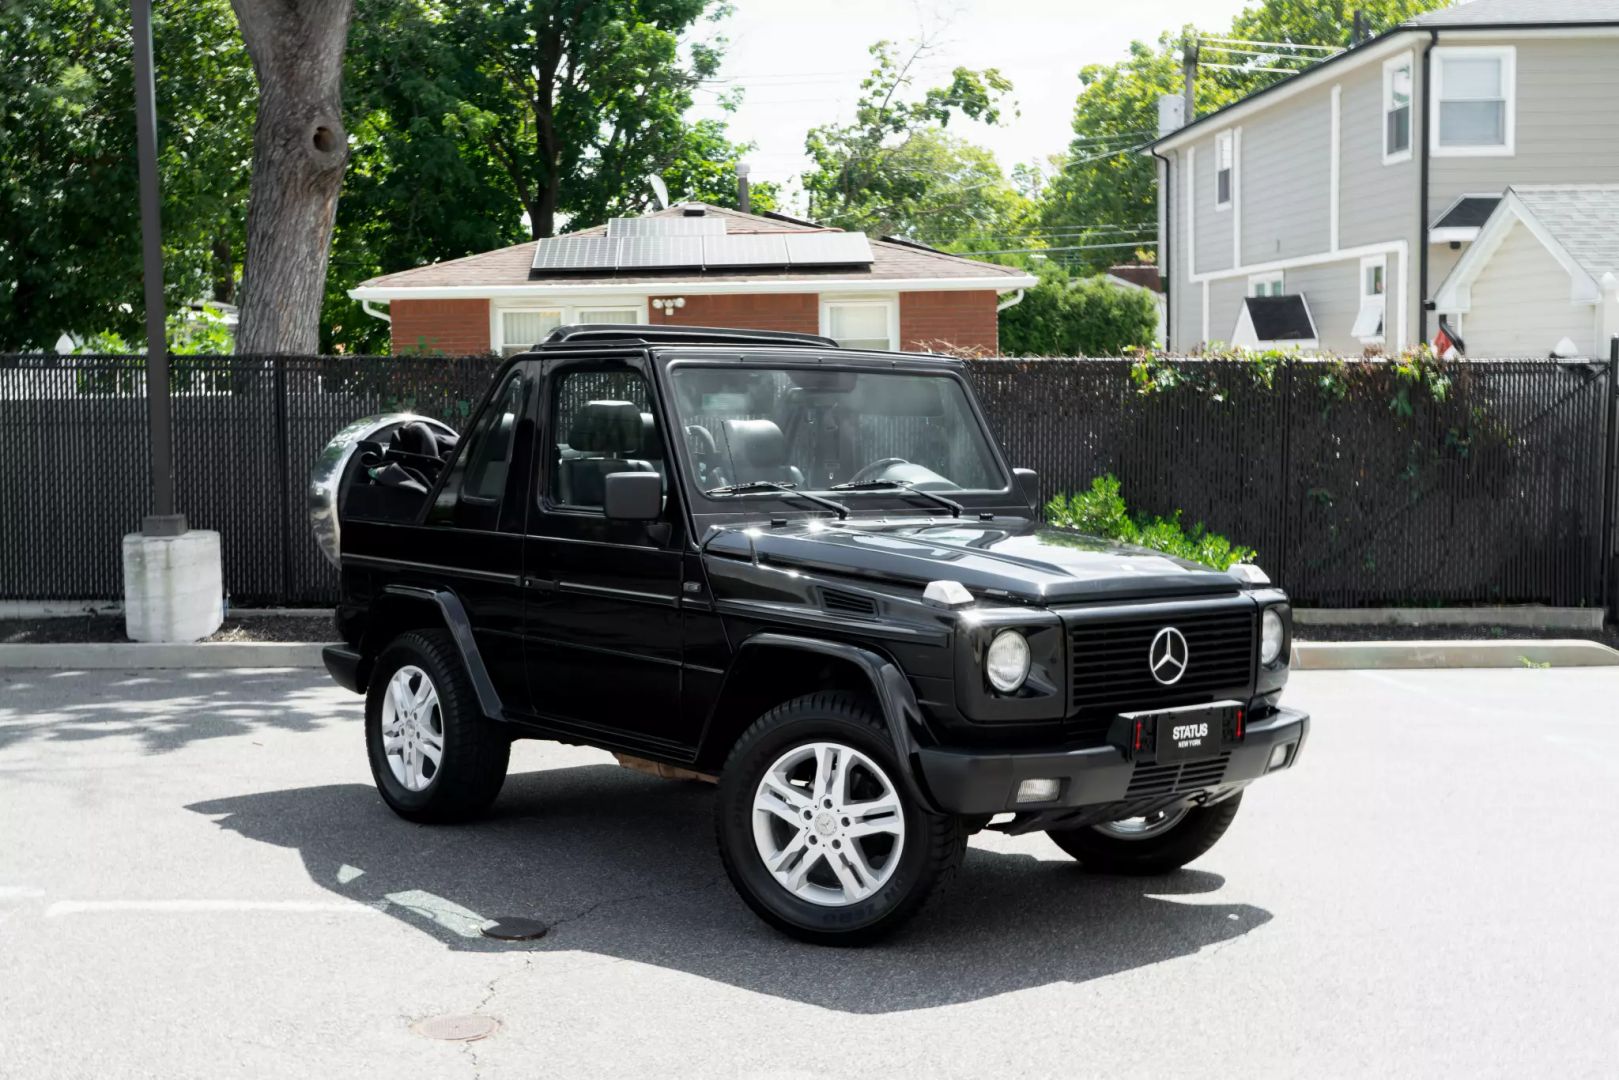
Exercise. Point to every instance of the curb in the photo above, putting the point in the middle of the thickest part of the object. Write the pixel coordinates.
(1389, 655)
(1532, 616)
(85, 656)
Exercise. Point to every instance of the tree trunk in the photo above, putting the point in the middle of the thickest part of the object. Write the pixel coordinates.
(299, 149)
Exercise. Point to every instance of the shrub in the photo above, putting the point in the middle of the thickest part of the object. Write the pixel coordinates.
(1065, 316)
(1101, 511)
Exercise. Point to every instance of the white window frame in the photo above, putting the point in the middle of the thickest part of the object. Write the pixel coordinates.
(1372, 301)
(1225, 148)
(567, 312)
(1508, 56)
(890, 303)
(1258, 282)
(1393, 64)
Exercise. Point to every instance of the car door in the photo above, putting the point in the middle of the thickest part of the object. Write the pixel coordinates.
(602, 610)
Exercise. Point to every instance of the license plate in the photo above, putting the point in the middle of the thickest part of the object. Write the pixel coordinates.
(1188, 734)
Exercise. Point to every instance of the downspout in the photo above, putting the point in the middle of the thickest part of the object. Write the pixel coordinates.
(1166, 191)
(1422, 195)
(365, 306)
(1012, 301)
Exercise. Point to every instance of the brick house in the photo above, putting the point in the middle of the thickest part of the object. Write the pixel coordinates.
(699, 265)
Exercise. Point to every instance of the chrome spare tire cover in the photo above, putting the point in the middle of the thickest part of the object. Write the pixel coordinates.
(326, 477)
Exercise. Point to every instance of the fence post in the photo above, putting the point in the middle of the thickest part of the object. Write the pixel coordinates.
(283, 477)
(1284, 571)
(1608, 570)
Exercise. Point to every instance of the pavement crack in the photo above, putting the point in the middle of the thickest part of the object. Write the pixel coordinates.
(654, 894)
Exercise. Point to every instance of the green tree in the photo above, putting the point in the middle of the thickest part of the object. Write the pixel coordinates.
(70, 249)
(1066, 316)
(1104, 191)
(895, 170)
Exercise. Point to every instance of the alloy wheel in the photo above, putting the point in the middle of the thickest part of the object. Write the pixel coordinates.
(828, 824)
(412, 728)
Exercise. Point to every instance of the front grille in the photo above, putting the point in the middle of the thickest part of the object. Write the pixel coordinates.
(1110, 672)
(1176, 778)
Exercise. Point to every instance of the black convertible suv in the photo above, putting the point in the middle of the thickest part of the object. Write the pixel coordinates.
(806, 573)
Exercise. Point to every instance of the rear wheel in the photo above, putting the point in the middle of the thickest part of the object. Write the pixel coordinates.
(816, 829)
(434, 756)
(1158, 843)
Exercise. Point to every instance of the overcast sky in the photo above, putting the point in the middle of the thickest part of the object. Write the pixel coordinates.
(801, 61)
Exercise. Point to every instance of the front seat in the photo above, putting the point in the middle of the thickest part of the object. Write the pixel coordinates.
(759, 452)
(602, 435)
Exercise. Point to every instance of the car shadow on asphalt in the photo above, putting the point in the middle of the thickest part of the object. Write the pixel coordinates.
(624, 866)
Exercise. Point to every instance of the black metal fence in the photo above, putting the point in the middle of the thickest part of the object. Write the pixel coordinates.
(1355, 491)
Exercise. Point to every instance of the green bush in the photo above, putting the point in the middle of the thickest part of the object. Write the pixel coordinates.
(1064, 316)
(1101, 512)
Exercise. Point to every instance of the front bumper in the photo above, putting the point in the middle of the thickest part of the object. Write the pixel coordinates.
(972, 783)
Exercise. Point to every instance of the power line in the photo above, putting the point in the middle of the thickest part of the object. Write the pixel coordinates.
(1272, 44)
(1074, 247)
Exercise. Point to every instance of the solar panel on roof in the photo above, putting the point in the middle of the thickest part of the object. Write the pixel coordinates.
(666, 226)
(576, 253)
(722, 252)
(827, 249)
(648, 252)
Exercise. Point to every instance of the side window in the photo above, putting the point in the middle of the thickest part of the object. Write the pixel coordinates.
(471, 496)
(601, 423)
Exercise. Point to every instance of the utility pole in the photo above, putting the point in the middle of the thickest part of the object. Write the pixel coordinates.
(1189, 74)
(163, 520)
(744, 201)
(1358, 34)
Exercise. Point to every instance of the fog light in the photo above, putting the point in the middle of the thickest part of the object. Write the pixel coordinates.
(1278, 756)
(1042, 790)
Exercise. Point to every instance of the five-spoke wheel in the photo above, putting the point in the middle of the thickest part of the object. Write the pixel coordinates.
(412, 728)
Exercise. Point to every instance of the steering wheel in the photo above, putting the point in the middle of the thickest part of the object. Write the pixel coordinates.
(872, 471)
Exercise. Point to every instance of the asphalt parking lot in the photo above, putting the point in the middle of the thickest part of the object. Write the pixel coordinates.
(196, 879)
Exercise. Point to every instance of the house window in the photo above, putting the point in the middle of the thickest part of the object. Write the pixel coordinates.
(860, 324)
(1473, 101)
(1223, 169)
(1368, 326)
(1397, 109)
(1266, 284)
(521, 330)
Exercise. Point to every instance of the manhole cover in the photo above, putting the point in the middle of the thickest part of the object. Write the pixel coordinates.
(515, 929)
(469, 1028)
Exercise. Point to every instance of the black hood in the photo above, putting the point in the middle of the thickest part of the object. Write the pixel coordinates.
(1011, 557)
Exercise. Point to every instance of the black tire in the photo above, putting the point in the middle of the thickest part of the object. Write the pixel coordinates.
(472, 765)
(1161, 854)
(928, 857)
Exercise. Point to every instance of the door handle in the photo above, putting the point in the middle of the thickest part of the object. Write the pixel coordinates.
(538, 584)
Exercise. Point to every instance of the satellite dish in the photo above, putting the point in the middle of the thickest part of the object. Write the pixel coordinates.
(660, 191)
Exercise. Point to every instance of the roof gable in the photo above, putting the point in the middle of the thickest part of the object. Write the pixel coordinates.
(1578, 224)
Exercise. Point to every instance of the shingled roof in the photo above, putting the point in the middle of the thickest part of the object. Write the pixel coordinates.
(892, 260)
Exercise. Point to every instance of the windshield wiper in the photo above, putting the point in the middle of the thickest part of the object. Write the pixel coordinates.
(906, 486)
(791, 489)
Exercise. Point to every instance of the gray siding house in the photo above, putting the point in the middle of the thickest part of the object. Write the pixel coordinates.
(1464, 164)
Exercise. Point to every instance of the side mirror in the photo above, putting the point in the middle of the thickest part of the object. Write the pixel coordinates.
(1029, 481)
(633, 496)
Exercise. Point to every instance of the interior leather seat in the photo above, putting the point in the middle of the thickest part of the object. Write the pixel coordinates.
(758, 451)
(603, 435)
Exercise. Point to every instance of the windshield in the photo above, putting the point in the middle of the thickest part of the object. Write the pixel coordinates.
(817, 429)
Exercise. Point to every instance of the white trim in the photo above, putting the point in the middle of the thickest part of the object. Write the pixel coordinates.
(1278, 277)
(1205, 311)
(1225, 138)
(1191, 213)
(1456, 293)
(1507, 54)
(1333, 166)
(891, 303)
(365, 306)
(1001, 283)
(1457, 234)
(1392, 64)
(1366, 299)
(1236, 197)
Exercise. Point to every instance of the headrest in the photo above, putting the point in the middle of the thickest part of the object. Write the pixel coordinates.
(606, 427)
(758, 443)
(651, 445)
(415, 437)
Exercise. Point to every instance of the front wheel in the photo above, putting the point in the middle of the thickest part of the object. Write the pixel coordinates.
(816, 829)
(1157, 843)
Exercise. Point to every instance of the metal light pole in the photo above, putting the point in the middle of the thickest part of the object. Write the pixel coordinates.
(163, 520)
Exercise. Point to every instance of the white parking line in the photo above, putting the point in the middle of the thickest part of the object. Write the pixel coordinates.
(302, 907)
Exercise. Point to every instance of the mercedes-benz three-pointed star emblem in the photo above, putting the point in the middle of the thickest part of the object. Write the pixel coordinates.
(1167, 656)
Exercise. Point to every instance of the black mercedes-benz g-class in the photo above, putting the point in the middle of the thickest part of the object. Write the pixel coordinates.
(806, 572)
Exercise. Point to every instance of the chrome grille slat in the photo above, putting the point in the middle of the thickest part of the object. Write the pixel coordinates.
(1108, 660)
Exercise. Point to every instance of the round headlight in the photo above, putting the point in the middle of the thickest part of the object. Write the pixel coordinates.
(1270, 636)
(1007, 661)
